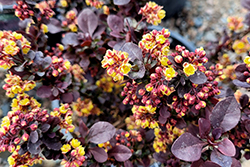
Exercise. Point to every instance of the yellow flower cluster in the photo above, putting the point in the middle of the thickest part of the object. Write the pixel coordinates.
(143, 116)
(85, 107)
(117, 64)
(130, 123)
(64, 113)
(106, 83)
(247, 60)
(153, 13)
(78, 73)
(94, 3)
(105, 145)
(169, 73)
(15, 85)
(76, 155)
(235, 23)
(163, 139)
(24, 103)
(9, 47)
(157, 44)
(59, 65)
(26, 159)
(241, 46)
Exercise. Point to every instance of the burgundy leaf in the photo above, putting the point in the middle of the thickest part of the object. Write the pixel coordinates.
(86, 43)
(121, 2)
(161, 157)
(87, 21)
(67, 97)
(101, 132)
(216, 133)
(84, 63)
(197, 163)
(7, 2)
(226, 147)
(164, 111)
(115, 23)
(70, 38)
(45, 127)
(244, 99)
(54, 26)
(120, 152)
(34, 136)
(162, 120)
(209, 164)
(83, 129)
(100, 155)
(204, 127)
(34, 148)
(187, 147)
(226, 114)
(135, 55)
(198, 77)
(245, 4)
(220, 159)
(128, 164)
(44, 91)
(241, 68)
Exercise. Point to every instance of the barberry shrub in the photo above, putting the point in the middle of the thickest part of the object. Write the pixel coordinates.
(126, 97)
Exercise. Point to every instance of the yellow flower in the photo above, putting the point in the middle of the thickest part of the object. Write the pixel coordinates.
(164, 61)
(24, 102)
(69, 119)
(11, 160)
(73, 27)
(63, 3)
(60, 47)
(160, 38)
(161, 14)
(17, 35)
(247, 60)
(169, 73)
(75, 143)
(44, 28)
(65, 148)
(66, 64)
(16, 89)
(125, 68)
(81, 150)
(189, 69)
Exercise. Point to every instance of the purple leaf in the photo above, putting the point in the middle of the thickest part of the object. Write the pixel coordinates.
(34, 148)
(226, 147)
(226, 114)
(241, 68)
(220, 159)
(101, 132)
(235, 163)
(187, 147)
(84, 63)
(83, 129)
(87, 21)
(120, 152)
(67, 97)
(70, 38)
(197, 163)
(34, 136)
(216, 133)
(44, 91)
(128, 164)
(135, 55)
(45, 127)
(164, 112)
(198, 77)
(204, 127)
(241, 84)
(54, 26)
(245, 4)
(100, 155)
(115, 23)
(161, 157)
(121, 2)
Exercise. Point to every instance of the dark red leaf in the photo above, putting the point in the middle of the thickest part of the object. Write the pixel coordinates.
(216, 133)
(244, 99)
(115, 23)
(120, 152)
(34, 148)
(198, 77)
(161, 157)
(44, 91)
(101, 132)
(84, 63)
(187, 147)
(70, 38)
(54, 26)
(226, 114)
(135, 55)
(220, 159)
(226, 147)
(45, 127)
(100, 155)
(87, 21)
(197, 163)
(121, 2)
(83, 129)
(86, 43)
(204, 127)
(209, 164)
(164, 111)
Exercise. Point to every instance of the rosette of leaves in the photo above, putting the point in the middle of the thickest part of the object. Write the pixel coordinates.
(101, 132)
(211, 134)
